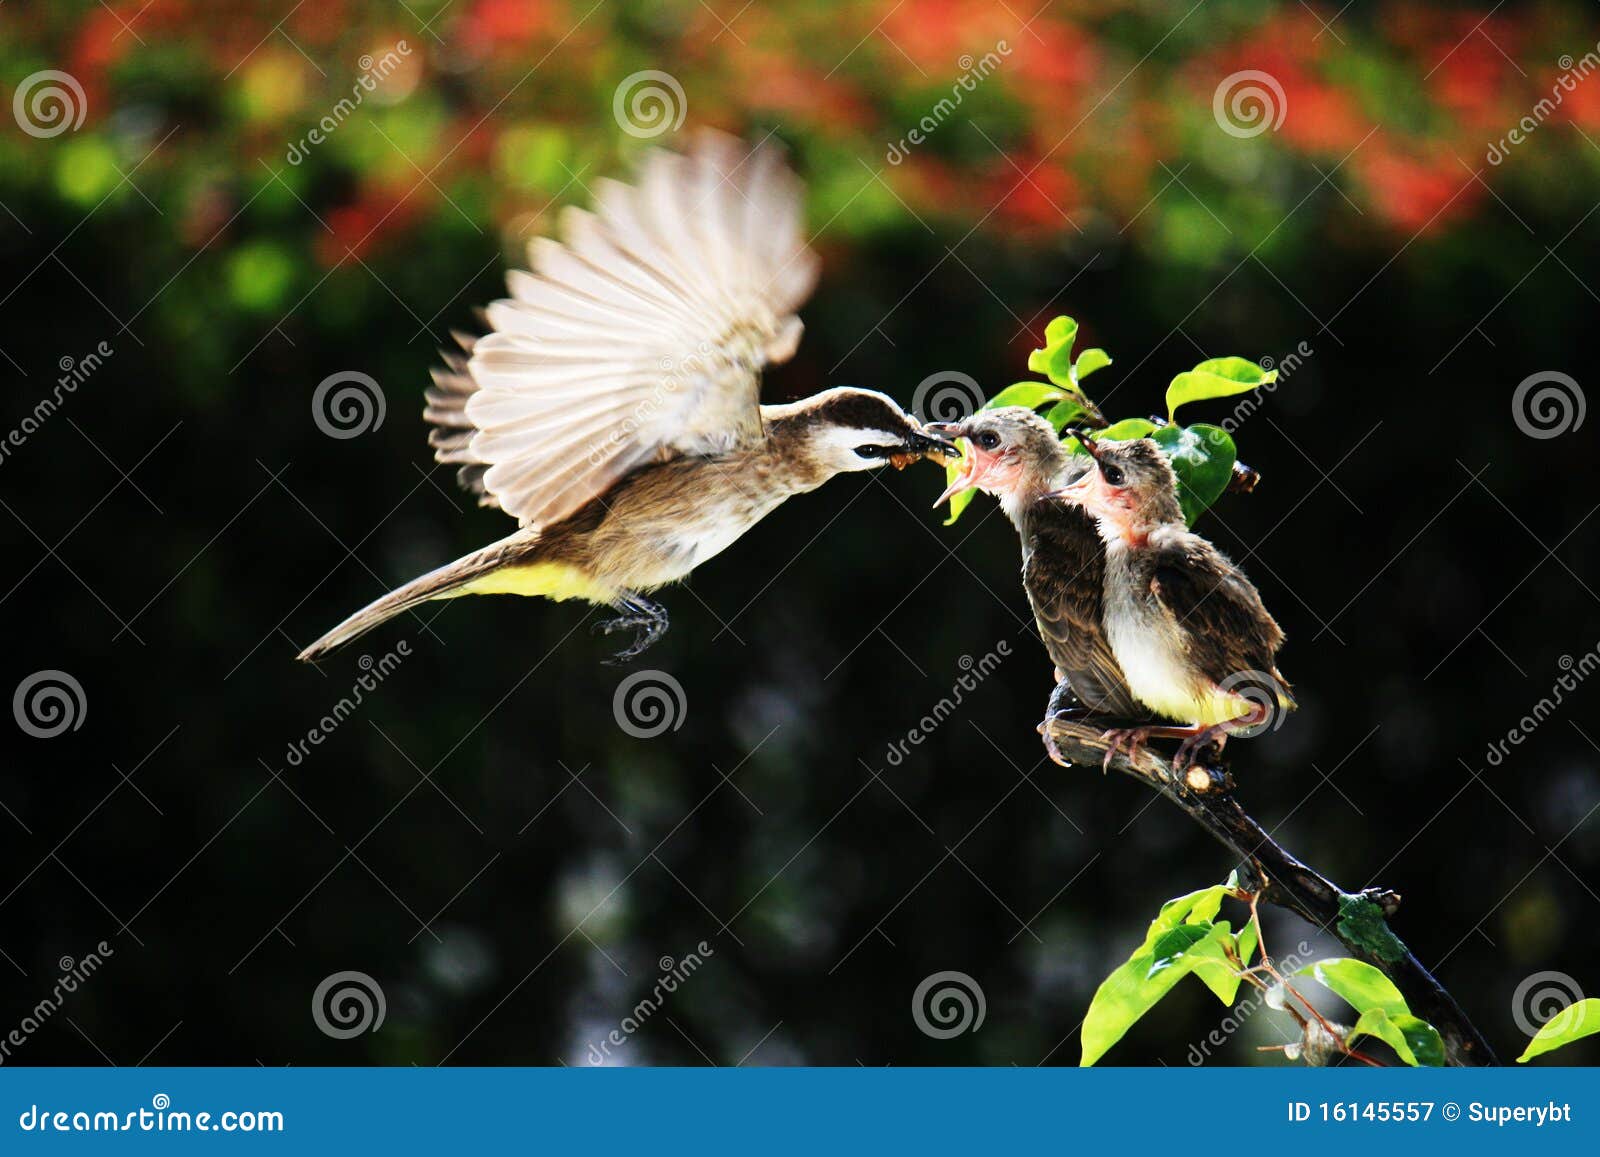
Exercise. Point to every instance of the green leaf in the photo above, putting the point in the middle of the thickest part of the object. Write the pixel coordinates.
(1029, 394)
(1359, 983)
(1247, 941)
(1122, 998)
(1172, 944)
(1216, 378)
(1064, 413)
(1202, 457)
(1197, 907)
(1055, 359)
(1088, 362)
(1180, 940)
(1236, 370)
(1414, 1040)
(1127, 430)
(1137, 986)
(1206, 903)
(1574, 1022)
(1212, 966)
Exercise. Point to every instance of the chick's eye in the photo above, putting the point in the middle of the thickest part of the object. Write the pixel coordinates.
(988, 439)
(1112, 474)
(870, 451)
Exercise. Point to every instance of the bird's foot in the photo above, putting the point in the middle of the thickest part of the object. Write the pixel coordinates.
(1047, 733)
(1065, 707)
(1132, 739)
(641, 615)
(1196, 744)
(1064, 715)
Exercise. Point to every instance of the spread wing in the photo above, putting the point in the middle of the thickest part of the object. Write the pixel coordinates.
(637, 337)
(1227, 627)
(1065, 578)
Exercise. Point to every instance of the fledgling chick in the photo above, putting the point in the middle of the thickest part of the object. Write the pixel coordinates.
(615, 409)
(1187, 627)
(1016, 456)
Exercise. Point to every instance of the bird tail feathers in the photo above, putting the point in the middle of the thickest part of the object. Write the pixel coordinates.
(451, 579)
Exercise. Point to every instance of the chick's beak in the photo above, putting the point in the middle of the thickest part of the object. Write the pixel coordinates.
(971, 471)
(1078, 491)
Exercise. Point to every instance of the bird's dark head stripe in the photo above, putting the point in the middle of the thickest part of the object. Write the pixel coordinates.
(862, 410)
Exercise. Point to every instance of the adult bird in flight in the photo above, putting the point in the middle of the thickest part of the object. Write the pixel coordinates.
(614, 410)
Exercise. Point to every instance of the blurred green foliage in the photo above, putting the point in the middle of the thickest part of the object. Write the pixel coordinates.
(445, 122)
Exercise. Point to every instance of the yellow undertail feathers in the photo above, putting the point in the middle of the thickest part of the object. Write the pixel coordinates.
(473, 575)
(1207, 705)
(547, 580)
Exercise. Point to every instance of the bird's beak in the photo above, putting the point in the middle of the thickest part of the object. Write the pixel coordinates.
(971, 468)
(1086, 440)
(923, 445)
(932, 444)
(944, 435)
(1076, 492)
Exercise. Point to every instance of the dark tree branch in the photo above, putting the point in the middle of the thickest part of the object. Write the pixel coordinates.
(1359, 920)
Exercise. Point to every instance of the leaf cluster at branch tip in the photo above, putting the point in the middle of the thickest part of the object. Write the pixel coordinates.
(1186, 938)
(1202, 455)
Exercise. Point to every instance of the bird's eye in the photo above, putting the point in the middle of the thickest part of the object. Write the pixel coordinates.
(1112, 474)
(872, 451)
(988, 439)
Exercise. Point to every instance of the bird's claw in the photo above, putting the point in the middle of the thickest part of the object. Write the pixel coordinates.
(1197, 743)
(648, 619)
(1131, 738)
(1051, 747)
(1077, 713)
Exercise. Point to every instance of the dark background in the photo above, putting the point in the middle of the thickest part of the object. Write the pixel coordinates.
(181, 527)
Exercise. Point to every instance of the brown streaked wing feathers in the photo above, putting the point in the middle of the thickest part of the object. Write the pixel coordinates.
(1227, 626)
(1065, 578)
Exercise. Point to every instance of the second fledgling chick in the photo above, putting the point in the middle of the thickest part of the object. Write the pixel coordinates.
(1187, 627)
